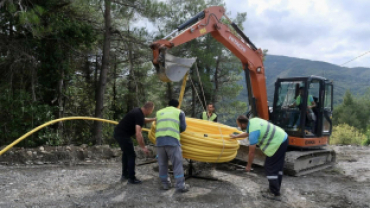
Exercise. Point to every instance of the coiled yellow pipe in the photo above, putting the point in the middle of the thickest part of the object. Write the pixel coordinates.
(206, 141)
(203, 141)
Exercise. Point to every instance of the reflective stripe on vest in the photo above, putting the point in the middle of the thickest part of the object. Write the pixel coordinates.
(167, 129)
(169, 119)
(168, 123)
(212, 118)
(271, 136)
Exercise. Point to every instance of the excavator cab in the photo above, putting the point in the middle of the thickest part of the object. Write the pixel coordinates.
(303, 108)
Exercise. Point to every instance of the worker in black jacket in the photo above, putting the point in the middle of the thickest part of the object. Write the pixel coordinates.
(129, 126)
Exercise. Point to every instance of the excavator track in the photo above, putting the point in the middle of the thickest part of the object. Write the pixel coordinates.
(297, 162)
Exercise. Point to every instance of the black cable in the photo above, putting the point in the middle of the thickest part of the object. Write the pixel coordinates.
(355, 58)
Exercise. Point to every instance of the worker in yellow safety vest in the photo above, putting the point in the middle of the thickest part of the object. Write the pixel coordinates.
(273, 141)
(170, 123)
(209, 114)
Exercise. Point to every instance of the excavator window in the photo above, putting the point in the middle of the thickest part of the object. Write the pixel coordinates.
(286, 115)
(312, 112)
(328, 108)
(287, 93)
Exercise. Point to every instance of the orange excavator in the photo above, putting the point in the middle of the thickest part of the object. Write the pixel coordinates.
(308, 122)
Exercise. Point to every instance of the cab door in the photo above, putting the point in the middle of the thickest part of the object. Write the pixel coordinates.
(327, 109)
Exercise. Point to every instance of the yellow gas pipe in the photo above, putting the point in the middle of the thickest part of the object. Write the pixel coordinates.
(203, 140)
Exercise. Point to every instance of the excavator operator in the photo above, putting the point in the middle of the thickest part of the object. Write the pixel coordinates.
(298, 101)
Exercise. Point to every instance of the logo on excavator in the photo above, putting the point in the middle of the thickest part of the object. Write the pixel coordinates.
(203, 30)
(310, 142)
(237, 43)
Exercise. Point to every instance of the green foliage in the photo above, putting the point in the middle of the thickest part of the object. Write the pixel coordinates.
(353, 111)
(352, 120)
(40, 53)
(345, 134)
(366, 141)
(20, 115)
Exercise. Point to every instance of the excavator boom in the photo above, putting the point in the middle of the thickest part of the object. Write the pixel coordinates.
(209, 21)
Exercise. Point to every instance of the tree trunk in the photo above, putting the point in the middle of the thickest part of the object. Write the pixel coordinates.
(66, 98)
(214, 97)
(208, 92)
(130, 98)
(97, 131)
(114, 107)
(87, 69)
(33, 84)
(96, 77)
(60, 102)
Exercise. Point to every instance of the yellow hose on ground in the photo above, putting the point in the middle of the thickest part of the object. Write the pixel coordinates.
(52, 122)
(202, 141)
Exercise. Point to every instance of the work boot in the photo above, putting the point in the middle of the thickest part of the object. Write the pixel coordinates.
(166, 186)
(123, 178)
(269, 195)
(133, 181)
(185, 189)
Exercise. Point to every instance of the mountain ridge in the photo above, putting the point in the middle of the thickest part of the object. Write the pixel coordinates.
(355, 79)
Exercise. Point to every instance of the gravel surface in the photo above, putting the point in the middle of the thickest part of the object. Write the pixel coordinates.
(97, 185)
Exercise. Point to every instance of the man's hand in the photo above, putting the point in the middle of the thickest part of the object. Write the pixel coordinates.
(242, 135)
(144, 149)
(248, 168)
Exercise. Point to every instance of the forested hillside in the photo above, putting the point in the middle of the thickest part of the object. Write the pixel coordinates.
(62, 58)
(356, 80)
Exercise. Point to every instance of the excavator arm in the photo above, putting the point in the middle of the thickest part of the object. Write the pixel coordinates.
(209, 21)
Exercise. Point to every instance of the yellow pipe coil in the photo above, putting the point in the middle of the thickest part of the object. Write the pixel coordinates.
(206, 141)
(203, 141)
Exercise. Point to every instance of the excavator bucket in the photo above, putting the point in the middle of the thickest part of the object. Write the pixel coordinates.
(172, 68)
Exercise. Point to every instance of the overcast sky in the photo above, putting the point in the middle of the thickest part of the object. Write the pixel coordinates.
(333, 31)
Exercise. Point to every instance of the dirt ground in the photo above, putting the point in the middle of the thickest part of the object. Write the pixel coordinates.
(347, 184)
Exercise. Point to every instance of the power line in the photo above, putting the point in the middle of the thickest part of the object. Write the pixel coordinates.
(355, 58)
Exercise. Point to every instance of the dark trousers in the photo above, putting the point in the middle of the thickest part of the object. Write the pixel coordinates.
(128, 156)
(274, 166)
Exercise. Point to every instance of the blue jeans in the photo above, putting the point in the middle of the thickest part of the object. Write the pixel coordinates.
(293, 121)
